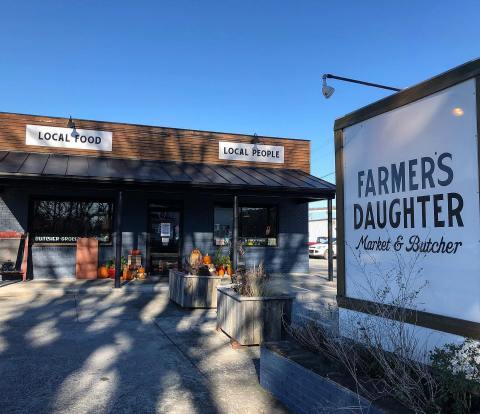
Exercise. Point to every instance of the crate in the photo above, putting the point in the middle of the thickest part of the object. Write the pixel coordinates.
(135, 260)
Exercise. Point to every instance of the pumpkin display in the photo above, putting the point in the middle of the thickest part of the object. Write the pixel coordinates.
(195, 259)
(126, 274)
(207, 260)
(102, 272)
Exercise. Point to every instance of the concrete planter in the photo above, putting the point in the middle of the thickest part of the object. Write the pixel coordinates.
(190, 291)
(252, 320)
(307, 383)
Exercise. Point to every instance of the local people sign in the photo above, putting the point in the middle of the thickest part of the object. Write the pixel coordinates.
(411, 193)
(46, 136)
(250, 152)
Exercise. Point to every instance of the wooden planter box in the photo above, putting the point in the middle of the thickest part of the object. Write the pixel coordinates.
(190, 291)
(252, 320)
(308, 383)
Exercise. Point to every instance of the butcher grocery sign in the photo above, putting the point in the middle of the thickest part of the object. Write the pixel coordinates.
(46, 136)
(411, 191)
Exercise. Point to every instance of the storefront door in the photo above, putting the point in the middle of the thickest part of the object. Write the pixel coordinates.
(164, 239)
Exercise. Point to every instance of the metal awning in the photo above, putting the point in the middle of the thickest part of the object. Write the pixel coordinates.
(30, 165)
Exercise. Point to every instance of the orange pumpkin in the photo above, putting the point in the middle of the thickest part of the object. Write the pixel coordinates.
(102, 272)
(126, 275)
(221, 271)
(207, 260)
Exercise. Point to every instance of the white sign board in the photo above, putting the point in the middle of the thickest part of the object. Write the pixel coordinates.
(164, 229)
(46, 136)
(411, 194)
(250, 152)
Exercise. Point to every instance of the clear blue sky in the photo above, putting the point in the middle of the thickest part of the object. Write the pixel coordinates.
(237, 66)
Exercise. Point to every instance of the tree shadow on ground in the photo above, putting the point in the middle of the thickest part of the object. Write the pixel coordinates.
(120, 352)
(94, 353)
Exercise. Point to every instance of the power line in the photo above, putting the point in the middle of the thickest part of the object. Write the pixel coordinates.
(328, 174)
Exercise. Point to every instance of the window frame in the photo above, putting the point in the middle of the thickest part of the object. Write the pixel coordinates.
(79, 199)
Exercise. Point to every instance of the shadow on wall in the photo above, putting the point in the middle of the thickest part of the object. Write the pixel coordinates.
(290, 257)
(13, 210)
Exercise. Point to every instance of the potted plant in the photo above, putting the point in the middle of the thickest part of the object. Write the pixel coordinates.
(222, 264)
(249, 312)
(218, 262)
(228, 266)
(111, 266)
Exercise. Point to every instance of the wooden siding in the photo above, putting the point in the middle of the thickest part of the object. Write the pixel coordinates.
(150, 142)
(252, 321)
(191, 291)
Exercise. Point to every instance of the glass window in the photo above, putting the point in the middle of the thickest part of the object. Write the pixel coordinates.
(63, 221)
(223, 226)
(257, 226)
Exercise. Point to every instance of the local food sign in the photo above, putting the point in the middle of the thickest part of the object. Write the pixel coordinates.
(46, 136)
(411, 195)
(250, 152)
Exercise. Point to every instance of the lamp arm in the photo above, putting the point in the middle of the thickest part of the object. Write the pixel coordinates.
(375, 85)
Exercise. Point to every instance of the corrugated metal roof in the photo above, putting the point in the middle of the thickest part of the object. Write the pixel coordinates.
(75, 167)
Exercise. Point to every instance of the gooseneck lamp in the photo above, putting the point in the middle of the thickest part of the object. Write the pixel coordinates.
(327, 90)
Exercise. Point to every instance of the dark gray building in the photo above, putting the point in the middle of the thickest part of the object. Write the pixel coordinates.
(166, 191)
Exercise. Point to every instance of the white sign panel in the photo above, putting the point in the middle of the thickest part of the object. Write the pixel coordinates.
(164, 229)
(250, 152)
(46, 136)
(411, 200)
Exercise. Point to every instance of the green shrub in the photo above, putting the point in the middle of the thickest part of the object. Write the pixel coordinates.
(457, 369)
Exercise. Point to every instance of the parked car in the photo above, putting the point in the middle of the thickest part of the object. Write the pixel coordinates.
(319, 240)
(321, 250)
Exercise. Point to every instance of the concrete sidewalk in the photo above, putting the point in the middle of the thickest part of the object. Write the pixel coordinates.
(73, 286)
(122, 353)
(83, 347)
(315, 295)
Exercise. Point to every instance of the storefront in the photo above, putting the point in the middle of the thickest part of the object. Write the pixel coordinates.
(162, 191)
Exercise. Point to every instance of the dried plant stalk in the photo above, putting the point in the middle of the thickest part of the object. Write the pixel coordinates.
(252, 282)
(384, 353)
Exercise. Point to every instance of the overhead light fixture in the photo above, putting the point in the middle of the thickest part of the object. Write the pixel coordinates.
(255, 140)
(71, 124)
(327, 91)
